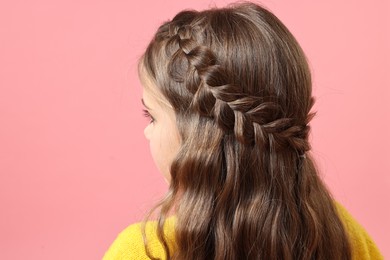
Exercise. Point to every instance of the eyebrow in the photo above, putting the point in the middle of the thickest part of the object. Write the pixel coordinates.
(143, 103)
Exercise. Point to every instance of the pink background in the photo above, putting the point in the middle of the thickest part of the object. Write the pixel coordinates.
(74, 166)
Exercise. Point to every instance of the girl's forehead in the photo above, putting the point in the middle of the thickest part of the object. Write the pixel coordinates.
(144, 78)
(147, 83)
(151, 93)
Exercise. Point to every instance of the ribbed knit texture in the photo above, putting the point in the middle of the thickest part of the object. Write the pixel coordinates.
(129, 244)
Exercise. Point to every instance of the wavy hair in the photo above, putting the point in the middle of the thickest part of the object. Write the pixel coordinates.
(243, 184)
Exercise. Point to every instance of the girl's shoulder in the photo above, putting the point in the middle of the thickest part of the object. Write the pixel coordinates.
(363, 247)
(129, 244)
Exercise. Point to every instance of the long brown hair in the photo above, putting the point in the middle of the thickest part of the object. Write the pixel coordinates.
(243, 184)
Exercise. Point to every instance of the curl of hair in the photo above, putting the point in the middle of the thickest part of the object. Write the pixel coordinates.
(243, 185)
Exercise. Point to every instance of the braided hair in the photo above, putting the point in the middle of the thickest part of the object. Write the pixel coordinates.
(243, 184)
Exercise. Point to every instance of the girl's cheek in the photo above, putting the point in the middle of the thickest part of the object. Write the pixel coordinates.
(147, 131)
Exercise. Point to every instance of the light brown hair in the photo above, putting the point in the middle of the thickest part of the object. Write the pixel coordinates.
(243, 185)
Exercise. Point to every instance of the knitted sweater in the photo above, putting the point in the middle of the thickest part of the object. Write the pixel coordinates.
(129, 243)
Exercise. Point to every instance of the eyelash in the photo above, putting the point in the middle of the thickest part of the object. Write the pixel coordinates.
(148, 115)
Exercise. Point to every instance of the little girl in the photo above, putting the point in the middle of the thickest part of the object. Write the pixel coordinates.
(228, 92)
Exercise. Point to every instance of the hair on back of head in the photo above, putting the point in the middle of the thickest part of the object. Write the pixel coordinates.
(243, 185)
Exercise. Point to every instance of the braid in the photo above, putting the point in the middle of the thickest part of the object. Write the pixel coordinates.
(252, 119)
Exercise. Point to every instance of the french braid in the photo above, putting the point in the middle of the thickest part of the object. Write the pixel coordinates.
(253, 119)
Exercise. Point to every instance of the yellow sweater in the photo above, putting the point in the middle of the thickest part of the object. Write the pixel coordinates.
(129, 243)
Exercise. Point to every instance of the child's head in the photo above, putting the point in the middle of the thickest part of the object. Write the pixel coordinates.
(235, 89)
(236, 73)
